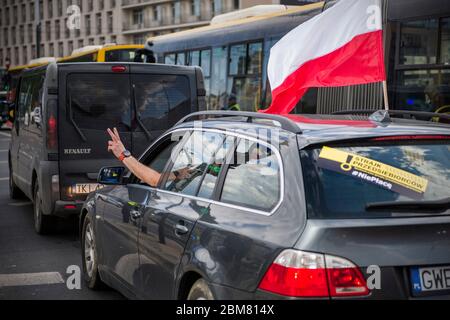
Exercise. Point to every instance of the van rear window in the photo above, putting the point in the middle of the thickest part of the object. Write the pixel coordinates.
(100, 102)
(344, 181)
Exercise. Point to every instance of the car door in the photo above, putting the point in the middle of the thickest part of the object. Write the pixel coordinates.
(172, 212)
(118, 232)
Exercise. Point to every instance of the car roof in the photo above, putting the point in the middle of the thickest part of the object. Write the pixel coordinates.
(319, 129)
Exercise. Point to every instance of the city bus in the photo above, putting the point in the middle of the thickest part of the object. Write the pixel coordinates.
(108, 53)
(234, 51)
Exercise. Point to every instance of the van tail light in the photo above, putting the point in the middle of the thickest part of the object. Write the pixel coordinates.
(52, 125)
(51, 133)
(305, 274)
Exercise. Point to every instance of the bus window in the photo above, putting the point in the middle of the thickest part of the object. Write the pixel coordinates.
(218, 94)
(194, 58)
(181, 59)
(205, 62)
(238, 56)
(244, 77)
(170, 58)
(254, 58)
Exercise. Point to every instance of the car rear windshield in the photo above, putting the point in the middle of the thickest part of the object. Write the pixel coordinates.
(341, 180)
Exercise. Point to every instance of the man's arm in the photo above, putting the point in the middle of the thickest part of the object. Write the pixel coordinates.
(144, 173)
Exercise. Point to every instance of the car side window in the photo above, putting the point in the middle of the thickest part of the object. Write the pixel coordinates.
(165, 152)
(253, 177)
(215, 167)
(192, 161)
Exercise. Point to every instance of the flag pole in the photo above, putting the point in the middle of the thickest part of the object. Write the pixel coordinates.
(385, 95)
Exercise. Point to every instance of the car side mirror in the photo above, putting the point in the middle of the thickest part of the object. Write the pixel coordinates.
(111, 175)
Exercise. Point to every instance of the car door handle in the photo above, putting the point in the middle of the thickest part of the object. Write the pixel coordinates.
(181, 230)
(135, 214)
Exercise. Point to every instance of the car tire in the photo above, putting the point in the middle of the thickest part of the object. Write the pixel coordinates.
(89, 256)
(14, 192)
(43, 224)
(200, 291)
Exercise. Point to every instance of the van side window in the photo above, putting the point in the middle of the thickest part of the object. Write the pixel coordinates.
(100, 102)
(35, 107)
(24, 99)
(161, 100)
(253, 177)
(30, 100)
(192, 161)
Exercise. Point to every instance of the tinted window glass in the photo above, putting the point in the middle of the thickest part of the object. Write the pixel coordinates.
(193, 159)
(161, 100)
(253, 179)
(100, 101)
(332, 193)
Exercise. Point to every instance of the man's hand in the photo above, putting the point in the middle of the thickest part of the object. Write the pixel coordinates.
(115, 145)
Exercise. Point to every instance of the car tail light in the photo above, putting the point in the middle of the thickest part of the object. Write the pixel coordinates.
(306, 274)
(344, 278)
(297, 274)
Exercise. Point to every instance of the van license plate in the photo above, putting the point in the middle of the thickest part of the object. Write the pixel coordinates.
(429, 280)
(86, 188)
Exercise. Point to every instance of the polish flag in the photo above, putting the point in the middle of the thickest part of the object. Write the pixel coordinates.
(341, 46)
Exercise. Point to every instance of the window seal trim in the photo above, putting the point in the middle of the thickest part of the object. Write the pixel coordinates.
(221, 203)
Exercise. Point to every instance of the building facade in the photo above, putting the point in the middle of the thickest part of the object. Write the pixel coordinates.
(66, 25)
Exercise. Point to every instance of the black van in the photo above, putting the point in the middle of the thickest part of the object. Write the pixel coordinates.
(59, 140)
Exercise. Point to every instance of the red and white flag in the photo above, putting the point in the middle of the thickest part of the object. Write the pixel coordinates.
(341, 46)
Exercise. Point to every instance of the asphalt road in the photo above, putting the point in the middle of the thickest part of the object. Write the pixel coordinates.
(33, 266)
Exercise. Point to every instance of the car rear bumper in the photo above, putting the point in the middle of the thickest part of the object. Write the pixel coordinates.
(67, 208)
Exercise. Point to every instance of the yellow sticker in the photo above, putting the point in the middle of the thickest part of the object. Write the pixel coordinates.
(373, 171)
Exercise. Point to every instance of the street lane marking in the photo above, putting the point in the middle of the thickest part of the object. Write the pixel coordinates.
(5, 134)
(20, 204)
(30, 279)
(1, 162)
(4, 179)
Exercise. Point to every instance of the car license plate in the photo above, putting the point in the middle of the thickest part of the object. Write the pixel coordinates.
(86, 188)
(430, 280)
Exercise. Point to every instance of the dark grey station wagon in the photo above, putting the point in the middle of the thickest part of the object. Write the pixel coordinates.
(294, 206)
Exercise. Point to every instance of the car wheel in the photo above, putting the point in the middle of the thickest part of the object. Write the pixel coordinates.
(14, 192)
(43, 224)
(200, 291)
(89, 255)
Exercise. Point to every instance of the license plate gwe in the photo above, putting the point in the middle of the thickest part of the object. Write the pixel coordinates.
(430, 280)
(86, 188)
